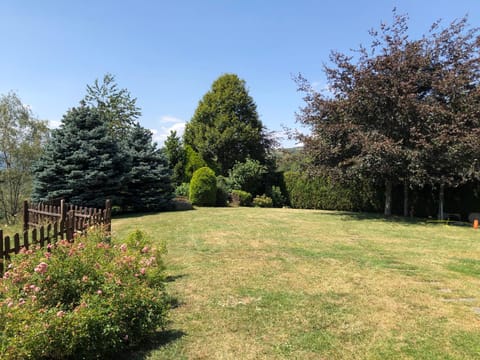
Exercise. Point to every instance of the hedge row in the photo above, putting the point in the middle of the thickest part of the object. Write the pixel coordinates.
(319, 192)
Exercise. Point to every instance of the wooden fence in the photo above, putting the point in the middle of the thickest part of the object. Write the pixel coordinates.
(46, 224)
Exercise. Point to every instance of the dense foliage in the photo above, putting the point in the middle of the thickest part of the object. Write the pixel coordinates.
(203, 187)
(194, 161)
(177, 157)
(319, 192)
(101, 152)
(81, 163)
(262, 201)
(21, 140)
(225, 127)
(248, 176)
(89, 299)
(403, 111)
(241, 198)
(147, 183)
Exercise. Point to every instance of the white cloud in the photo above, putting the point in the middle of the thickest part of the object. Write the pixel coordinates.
(167, 124)
(54, 124)
(167, 119)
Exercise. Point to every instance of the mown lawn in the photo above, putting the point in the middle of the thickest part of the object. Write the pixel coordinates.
(296, 284)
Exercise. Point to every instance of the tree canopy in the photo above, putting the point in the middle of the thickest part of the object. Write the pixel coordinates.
(101, 152)
(21, 140)
(226, 128)
(116, 106)
(81, 163)
(147, 182)
(402, 111)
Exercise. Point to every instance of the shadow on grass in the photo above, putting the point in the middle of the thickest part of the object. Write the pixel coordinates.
(173, 278)
(397, 219)
(160, 339)
(380, 217)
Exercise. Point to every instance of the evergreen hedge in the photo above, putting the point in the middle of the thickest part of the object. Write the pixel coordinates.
(203, 187)
(307, 192)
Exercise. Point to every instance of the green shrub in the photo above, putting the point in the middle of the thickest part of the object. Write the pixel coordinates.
(194, 162)
(307, 192)
(203, 187)
(278, 199)
(241, 198)
(222, 191)
(87, 299)
(248, 176)
(182, 189)
(263, 201)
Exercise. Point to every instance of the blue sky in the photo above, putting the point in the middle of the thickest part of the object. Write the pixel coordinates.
(168, 53)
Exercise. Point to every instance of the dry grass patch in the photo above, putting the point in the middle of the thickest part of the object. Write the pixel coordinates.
(295, 284)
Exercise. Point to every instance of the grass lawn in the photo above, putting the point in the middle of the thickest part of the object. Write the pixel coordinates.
(257, 283)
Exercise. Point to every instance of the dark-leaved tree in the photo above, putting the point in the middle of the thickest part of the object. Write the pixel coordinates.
(395, 108)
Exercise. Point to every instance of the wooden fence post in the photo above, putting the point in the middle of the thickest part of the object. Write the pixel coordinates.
(108, 215)
(25, 215)
(70, 225)
(2, 255)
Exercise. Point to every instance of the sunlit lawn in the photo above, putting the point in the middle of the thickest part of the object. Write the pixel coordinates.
(295, 284)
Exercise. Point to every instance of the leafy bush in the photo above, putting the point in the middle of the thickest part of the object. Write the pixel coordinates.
(182, 189)
(263, 201)
(241, 198)
(306, 192)
(87, 299)
(248, 176)
(222, 191)
(194, 162)
(278, 199)
(203, 187)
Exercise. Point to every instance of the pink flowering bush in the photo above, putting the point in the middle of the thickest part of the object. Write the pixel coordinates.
(82, 300)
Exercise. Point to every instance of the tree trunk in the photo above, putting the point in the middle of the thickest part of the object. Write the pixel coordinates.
(441, 200)
(405, 198)
(388, 198)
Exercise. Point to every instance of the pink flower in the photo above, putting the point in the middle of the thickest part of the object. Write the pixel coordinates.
(99, 292)
(142, 271)
(125, 337)
(60, 313)
(123, 247)
(10, 304)
(41, 268)
(48, 255)
(37, 289)
(145, 250)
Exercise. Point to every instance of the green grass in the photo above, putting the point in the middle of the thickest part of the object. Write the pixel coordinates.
(295, 284)
(10, 230)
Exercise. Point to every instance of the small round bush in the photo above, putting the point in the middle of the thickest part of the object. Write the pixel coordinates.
(242, 198)
(182, 189)
(277, 197)
(203, 187)
(263, 201)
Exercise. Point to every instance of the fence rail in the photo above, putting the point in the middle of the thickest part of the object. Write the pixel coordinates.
(46, 224)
